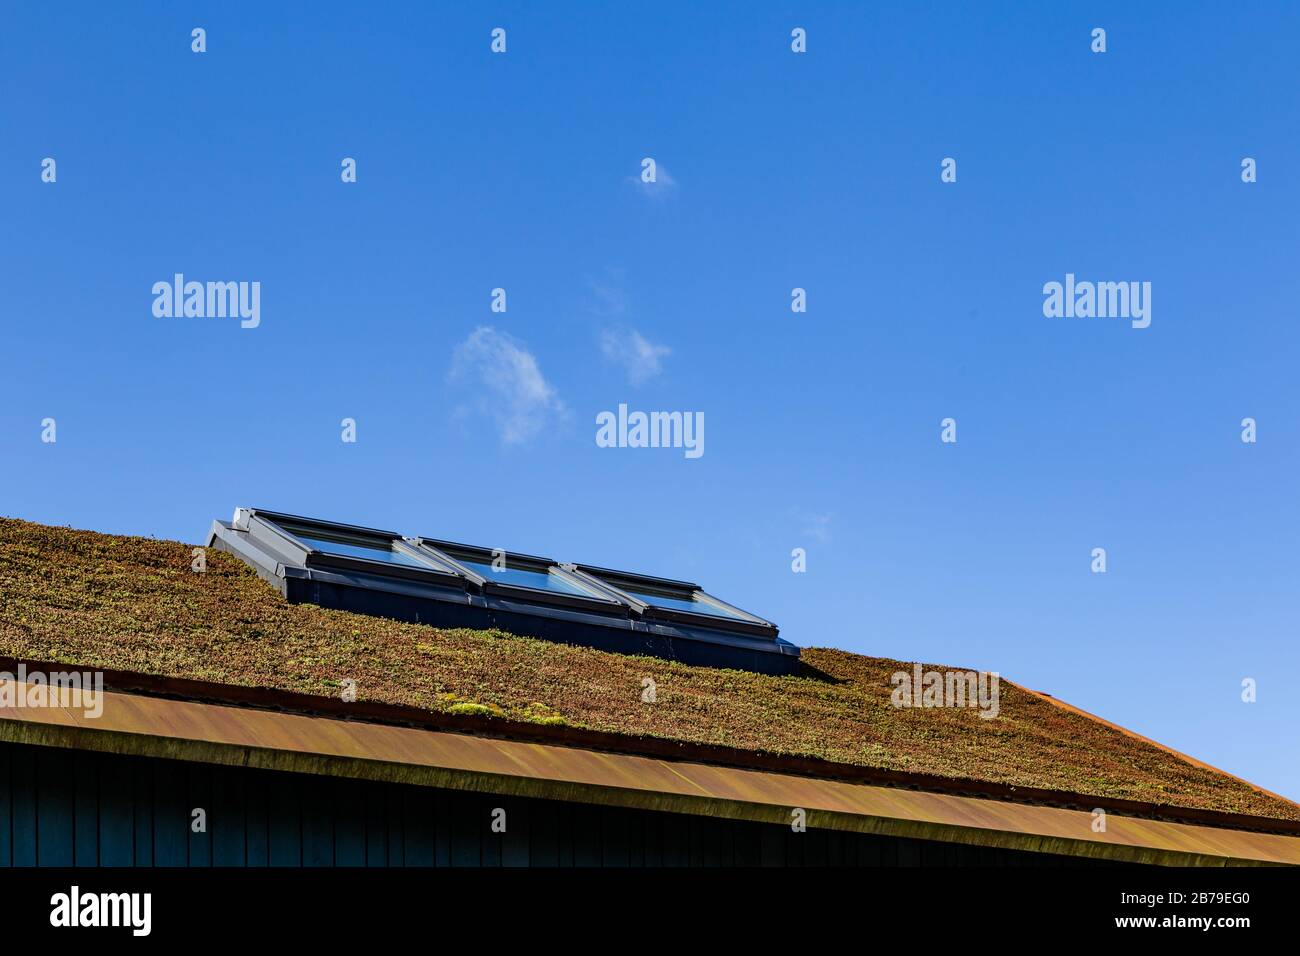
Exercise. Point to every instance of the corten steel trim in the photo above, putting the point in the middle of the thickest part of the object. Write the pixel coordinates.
(211, 733)
(608, 741)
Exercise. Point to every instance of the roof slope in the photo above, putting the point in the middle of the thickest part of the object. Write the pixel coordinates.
(133, 604)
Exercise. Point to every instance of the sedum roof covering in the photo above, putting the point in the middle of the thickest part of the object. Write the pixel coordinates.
(134, 604)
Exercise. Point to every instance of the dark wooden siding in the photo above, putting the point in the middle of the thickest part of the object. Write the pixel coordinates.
(77, 808)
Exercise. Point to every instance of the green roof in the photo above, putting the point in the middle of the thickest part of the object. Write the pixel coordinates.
(134, 604)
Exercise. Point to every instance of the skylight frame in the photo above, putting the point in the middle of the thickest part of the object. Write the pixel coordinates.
(440, 590)
(282, 526)
(621, 583)
(593, 598)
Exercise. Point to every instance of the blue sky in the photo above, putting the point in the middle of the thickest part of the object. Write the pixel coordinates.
(776, 170)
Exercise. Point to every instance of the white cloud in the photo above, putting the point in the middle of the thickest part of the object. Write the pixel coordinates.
(510, 387)
(817, 526)
(641, 359)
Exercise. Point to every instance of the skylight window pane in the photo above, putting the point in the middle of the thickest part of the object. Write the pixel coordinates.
(521, 577)
(690, 603)
(358, 549)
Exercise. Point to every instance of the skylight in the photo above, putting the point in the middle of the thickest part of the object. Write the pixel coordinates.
(522, 575)
(448, 584)
(371, 550)
(674, 600)
(695, 603)
(524, 578)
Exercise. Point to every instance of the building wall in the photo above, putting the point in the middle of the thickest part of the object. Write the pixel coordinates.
(78, 808)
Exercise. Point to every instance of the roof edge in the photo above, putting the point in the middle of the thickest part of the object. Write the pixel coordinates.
(293, 743)
(312, 705)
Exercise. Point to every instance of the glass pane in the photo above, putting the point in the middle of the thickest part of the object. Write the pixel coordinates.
(681, 604)
(356, 549)
(520, 577)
